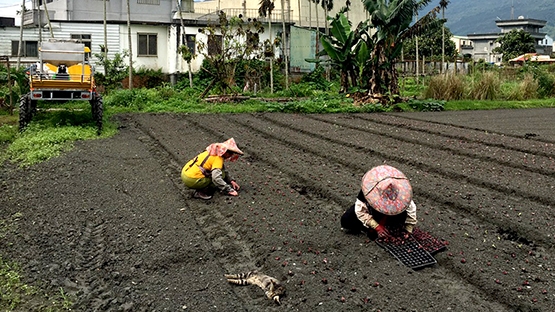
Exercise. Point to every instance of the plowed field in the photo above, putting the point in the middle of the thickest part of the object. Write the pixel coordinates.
(111, 223)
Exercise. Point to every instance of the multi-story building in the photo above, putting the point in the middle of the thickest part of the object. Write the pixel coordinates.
(462, 44)
(483, 44)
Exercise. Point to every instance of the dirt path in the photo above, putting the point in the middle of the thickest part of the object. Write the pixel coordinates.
(111, 222)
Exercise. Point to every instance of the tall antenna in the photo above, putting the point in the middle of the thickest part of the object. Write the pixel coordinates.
(513, 10)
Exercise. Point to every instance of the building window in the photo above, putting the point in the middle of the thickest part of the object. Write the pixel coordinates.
(154, 2)
(215, 44)
(86, 39)
(148, 45)
(190, 40)
(29, 48)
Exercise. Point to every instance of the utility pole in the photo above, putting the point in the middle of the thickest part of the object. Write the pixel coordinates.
(105, 41)
(39, 20)
(130, 46)
(416, 43)
(20, 48)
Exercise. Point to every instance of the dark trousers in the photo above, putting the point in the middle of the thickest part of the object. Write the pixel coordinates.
(350, 222)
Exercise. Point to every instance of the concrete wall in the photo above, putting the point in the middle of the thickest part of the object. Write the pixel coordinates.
(63, 30)
(306, 18)
(159, 11)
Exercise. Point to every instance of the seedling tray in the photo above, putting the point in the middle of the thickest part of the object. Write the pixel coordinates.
(428, 242)
(408, 251)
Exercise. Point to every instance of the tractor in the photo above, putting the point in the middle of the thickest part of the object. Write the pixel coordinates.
(62, 74)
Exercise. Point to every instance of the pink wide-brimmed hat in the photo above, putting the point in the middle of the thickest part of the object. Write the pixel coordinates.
(387, 189)
(218, 149)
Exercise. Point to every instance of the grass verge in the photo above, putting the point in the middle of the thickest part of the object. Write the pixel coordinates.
(15, 295)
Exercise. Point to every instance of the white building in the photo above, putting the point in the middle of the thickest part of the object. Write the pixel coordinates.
(155, 31)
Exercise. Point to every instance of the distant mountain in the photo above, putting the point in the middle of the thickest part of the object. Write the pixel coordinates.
(478, 16)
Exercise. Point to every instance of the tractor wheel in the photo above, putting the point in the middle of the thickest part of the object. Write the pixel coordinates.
(33, 108)
(25, 111)
(97, 112)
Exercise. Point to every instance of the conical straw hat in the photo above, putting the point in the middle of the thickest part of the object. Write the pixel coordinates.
(387, 190)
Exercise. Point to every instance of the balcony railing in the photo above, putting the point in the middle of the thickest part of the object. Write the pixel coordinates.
(247, 13)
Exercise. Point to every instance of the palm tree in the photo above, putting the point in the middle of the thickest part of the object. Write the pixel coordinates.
(21, 33)
(327, 5)
(265, 9)
(299, 5)
(417, 55)
(309, 15)
(316, 2)
(443, 4)
(392, 20)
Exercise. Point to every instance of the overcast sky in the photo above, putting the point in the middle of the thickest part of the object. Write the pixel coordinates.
(7, 3)
(8, 8)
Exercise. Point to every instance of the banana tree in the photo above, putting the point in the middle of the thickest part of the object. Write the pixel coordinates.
(392, 21)
(342, 47)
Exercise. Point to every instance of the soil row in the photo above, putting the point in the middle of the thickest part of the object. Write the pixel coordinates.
(308, 172)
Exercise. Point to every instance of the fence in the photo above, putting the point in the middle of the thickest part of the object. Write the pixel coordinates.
(408, 68)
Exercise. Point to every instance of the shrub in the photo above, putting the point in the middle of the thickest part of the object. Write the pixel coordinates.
(115, 71)
(445, 87)
(527, 89)
(486, 86)
(543, 74)
(136, 98)
(148, 78)
(317, 79)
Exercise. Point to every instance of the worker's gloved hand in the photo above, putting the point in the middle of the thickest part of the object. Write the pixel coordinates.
(381, 230)
(232, 193)
(409, 228)
(235, 185)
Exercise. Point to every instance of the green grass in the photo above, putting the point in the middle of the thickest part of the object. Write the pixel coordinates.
(485, 104)
(48, 135)
(15, 295)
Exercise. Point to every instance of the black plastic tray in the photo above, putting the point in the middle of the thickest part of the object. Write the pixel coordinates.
(430, 243)
(408, 251)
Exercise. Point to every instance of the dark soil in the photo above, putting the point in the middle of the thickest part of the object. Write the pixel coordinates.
(111, 223)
